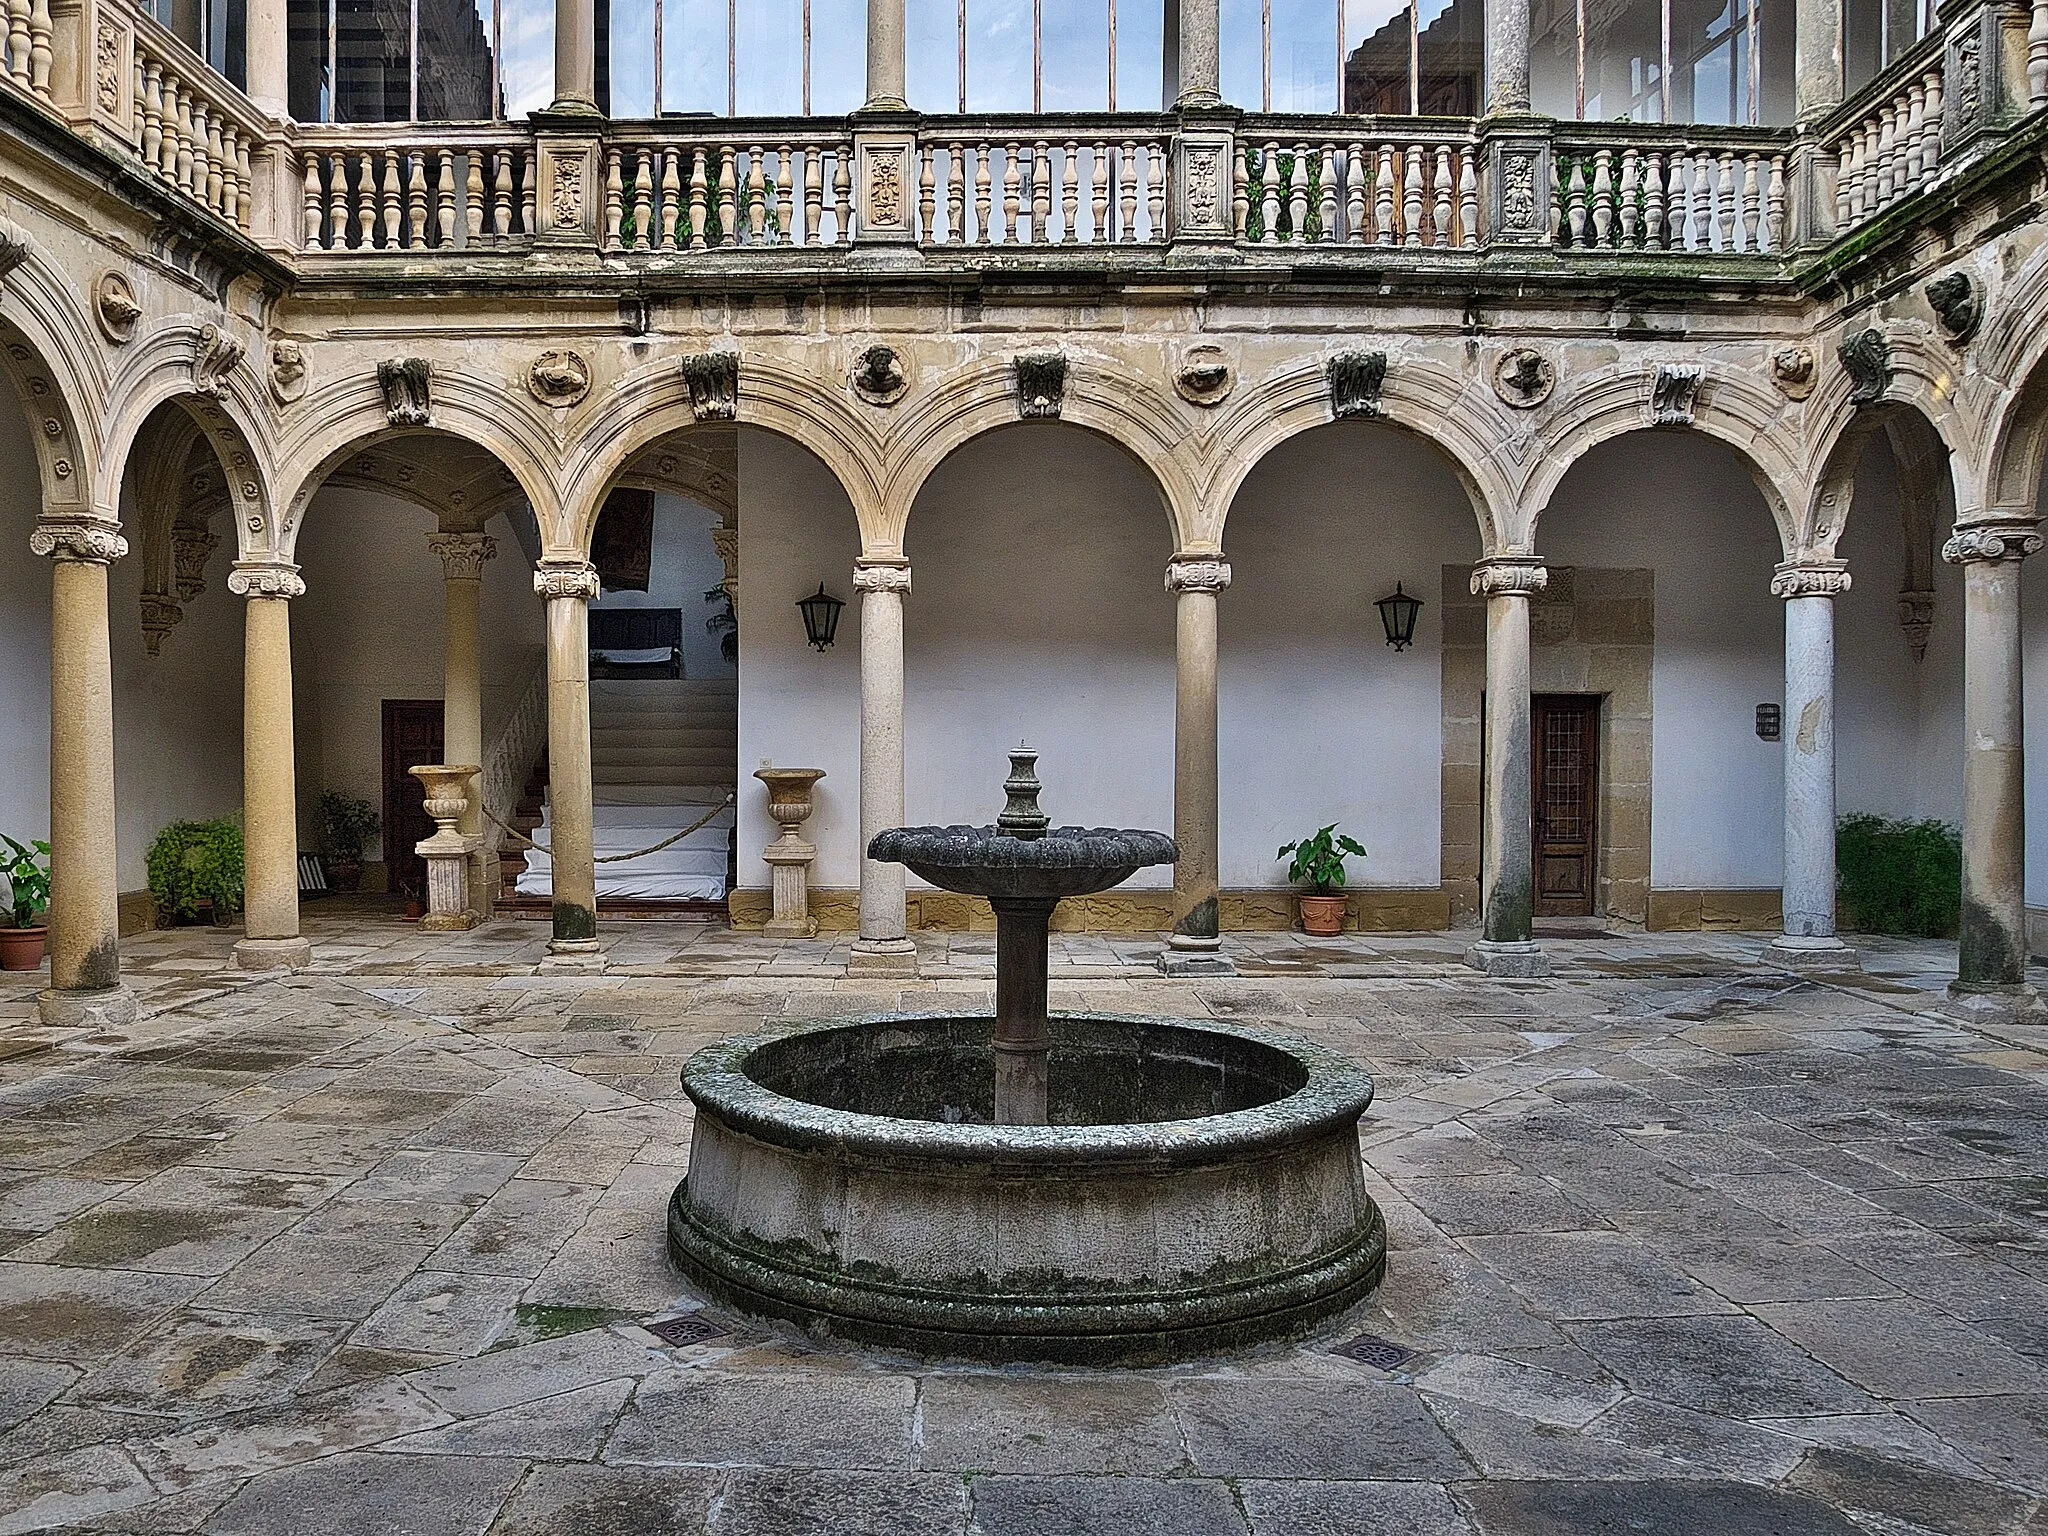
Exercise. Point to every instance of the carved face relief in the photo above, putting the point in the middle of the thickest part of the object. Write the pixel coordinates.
(1868, 358)
(287, 371)
(559, 378)
(1955, 304)
(114, 306)
(1041, 383)
(878, 376)
(1205, 376)
(1792, 370)
(1524, 378)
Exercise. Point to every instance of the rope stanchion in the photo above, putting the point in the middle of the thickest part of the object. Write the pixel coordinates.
(620, 858)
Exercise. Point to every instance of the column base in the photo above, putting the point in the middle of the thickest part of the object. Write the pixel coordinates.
(1518, 960)
(882, 957)
(576, 957)
(449, 922)
(1186, 956)
(96, 1008)
(2018, 1003)
(273, 954)
(775, 928)
(1800, 952)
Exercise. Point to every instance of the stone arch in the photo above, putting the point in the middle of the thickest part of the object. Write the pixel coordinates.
(653, 403)
(49, 351)
(1146, 424)
(345, 416)
(1617, 401)
(1427, 401)
(2016, 431)
(1911, 433)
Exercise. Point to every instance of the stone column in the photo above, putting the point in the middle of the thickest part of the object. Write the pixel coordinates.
(270, 786)
(85, 923)
(1991, 960)
(1195, 946)
(462, 693)
(264, 29)
(572, 839)
(1808, 942)
(1507, 855)
(1201, 54)
(575, 57)
(884, 946)
(1816, 58)
(1507, 56)
(886, 70)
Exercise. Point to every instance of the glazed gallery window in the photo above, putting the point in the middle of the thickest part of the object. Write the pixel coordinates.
(1876, 32)
(1663, 61)
(213, 29)
(746, 58)
(386, 61)
(1036, 55)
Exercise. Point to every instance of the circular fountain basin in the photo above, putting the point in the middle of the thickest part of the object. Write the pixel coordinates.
(982, 861)
(1198, 1190)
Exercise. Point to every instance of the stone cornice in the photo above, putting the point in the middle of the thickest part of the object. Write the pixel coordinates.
(1509, 576)
(87, 541)
(1200, 574)
(551, 581)
(264, 578)
(1810, 578)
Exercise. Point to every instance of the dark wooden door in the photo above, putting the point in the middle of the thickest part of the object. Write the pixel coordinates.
(412, 738)
(1564, 768)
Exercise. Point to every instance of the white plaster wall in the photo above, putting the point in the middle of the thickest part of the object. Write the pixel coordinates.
(24, 640)
(684, 566)
(1684, 506)
(370, 628)
(798, 707)
(1040, 614)
(1318, 718)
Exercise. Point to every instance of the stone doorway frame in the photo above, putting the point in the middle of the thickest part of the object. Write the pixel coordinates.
(1592, 630)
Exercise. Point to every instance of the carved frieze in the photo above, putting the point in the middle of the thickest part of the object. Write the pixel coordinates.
(564, 581)
(878, 375)
(1793, 371)
(1509, 575)
(1204, 376)
(1041, 383)
(1203, 573)
(217, 357)
(114, 306)
(881, 577)
(1356, 379)
(1524, 378)
(1956, 306)
(1868, 357)
(1675, 392)
(287, 371)
(407, 383)
(713, 379)
(559, 378)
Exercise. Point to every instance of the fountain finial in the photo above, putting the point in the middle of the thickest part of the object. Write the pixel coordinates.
(1021, 817)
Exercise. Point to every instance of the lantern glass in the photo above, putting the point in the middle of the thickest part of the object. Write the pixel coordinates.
(1397, 616)
(821, 617)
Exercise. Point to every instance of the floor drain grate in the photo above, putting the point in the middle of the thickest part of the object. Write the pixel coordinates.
(690, 1328)
(1371, 1349)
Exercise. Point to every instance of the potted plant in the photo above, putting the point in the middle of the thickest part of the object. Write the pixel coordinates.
(1319, 860)
(346, 827)
(195, 870)
(27, 871)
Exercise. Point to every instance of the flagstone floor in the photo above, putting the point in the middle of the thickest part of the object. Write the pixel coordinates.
(1679, 1247)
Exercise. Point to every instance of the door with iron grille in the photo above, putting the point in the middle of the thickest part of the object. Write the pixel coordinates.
(1564, 768)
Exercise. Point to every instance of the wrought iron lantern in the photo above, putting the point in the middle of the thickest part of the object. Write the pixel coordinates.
(821, 617)
(1397, 614)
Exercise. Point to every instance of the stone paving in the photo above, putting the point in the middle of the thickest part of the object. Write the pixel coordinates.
(1678, 1246)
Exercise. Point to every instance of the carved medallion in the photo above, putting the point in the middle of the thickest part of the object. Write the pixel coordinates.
(1205, 376)
(1792, 370)
(713, 379)
(565, 202)
(407, 383)
(1205, 188)
(885, 189)
(1518, 189)
(114, 306)
(1956, 306)
(215, 360)
(1524, 378)
(1356, 379)
(1041, 384)
(287, 371)
(878, 376)
(558, 378)
(1868, 357)
(1674, 393)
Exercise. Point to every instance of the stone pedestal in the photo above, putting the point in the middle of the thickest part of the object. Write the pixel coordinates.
(448, 851)
(789, 802)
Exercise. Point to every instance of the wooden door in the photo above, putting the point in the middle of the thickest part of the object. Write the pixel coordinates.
(1564, 767)
(412, 738)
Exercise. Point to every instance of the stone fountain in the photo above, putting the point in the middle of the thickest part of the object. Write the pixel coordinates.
(1090, 1189)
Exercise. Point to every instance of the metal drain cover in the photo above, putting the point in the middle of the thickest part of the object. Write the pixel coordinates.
(1370, 1349)
(690, 1328)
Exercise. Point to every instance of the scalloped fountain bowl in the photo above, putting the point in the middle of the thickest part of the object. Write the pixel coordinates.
(1083, 1189)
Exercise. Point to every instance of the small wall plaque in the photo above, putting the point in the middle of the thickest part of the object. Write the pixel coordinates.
(1769, 722)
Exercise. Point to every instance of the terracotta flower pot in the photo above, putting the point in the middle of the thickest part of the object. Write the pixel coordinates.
(344, 875)
(21, 949)
(1322, 916)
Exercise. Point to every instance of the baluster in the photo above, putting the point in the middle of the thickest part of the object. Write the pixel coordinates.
(644, 227)
(614, 198)
(1631, 192)
(984, 194)
(785, 198)
(1889, 158)
(473, 194)
(1774, 218)
(153, 116)
(444, 222)
(1916, 126)
(811, 166)
(1575, 203)
(238, 196)
(529, 194)
(1653, 201)
(675, 198)
(1442, 211)
(842, 194)
(1041, 193)
(219, 168)
(40, 53)
(366, 201)
(1875, 181)
(1099, 232)
(195, 183)
(700, 210)
(1240, 194)
(1411, 195)
(314, 216)
(1724, 198)
(416, 199)
(501, 198)
(1845, 185)
(1468, 201)
(1383, 199)
(1555, 193)
(337, 202)
(393, 233)
(181, 167)
(1155, 192)
(1269, 195)
(1700, 200)
(1603, 199)
(1127, 191)
(928, 194)
(1007, 233)
(1930, 134)
(1297, 195)
(728, 198)
(1329, 158)
(1752, 203)
(757, 207)
(956, 193)
(1070, 195)
(17, 41)
(1357, 159)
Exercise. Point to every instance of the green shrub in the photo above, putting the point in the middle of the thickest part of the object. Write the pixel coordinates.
(346, 825)
(195, 861)
(1900, 876)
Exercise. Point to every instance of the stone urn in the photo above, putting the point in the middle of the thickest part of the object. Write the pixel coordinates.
(447, 852)
(789, 802)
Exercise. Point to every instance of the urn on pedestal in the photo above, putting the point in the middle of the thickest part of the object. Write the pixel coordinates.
(789, 802)
(447, 851)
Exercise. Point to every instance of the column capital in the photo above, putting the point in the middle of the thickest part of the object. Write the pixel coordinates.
(1198, 573)
(553, 579)
(881, 576)
(463, 554)
(2010, 537)
(84, 540)
(1810, 578)
(1509, 576)
(265, 578)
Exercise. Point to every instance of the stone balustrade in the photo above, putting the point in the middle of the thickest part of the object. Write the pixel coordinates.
(29, 50)
(1407, 189)
(719, 190)
(394, 188)
(190, 127)
(1892, 148)
(1043, 182)
(1666, 191)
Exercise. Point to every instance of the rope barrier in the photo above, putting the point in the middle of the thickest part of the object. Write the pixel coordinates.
(620, 858)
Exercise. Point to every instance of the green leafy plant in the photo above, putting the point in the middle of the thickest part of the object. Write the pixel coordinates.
(196, 861)
(1320, 859)
(1900, 876)
(346, 825)
(26, 869)
(723, 622)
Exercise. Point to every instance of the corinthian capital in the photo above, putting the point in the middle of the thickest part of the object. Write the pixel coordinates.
(2011, 537)
(553, 581)
(1202, 574)
(265, 578)
(86, 540)
(463, 554)
(1510, 576)
(879, 577)
(1810, 578)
